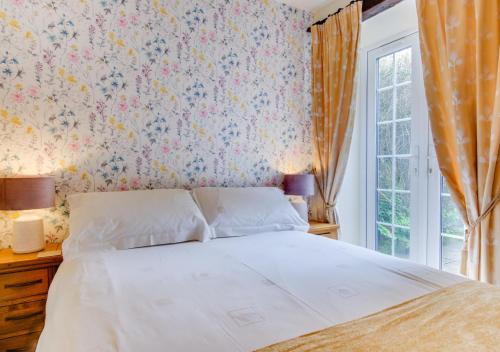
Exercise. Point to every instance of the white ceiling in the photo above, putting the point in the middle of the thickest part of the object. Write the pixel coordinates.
(308, 5)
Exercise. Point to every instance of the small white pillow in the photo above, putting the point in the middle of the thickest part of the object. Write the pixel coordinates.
(121, 220)
(245, 211)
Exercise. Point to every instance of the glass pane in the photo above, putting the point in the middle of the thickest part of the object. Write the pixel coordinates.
(403, 174)
(444, 186)
(384, 173)
(385, 71)
(403, 102)
(385, 139)
(384, 206)
(451, 222)
(403, 65)
(384, 239)
(403, 137)
(402, 242)
(402, 209)
(451, 249)
(384, 105)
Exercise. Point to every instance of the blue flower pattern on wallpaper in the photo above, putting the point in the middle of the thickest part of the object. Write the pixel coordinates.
(116, 95)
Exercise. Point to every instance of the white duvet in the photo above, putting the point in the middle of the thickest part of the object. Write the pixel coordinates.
(230, 294)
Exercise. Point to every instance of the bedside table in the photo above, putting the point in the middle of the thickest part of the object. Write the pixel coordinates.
(324, 229)
(24, 283)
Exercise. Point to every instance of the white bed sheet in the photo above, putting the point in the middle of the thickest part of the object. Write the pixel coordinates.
(229, 294)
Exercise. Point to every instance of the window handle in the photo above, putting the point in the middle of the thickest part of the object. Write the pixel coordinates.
(416, 160)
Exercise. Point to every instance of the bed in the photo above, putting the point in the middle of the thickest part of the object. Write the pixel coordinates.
(233, 269)
(227, 294)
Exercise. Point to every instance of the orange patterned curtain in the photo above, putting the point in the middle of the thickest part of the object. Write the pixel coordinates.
(460, 43)
(334, 57)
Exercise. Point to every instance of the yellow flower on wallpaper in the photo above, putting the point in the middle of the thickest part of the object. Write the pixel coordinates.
(14, 24)
(72, 169)
(12, 215)
(163, 11)
(233, 26)
(15, 120)
(71, 79)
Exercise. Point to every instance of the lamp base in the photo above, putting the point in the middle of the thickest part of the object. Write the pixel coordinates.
(300, 207)
(28, 234)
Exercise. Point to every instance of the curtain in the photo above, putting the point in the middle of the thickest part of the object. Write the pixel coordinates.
(460, 52)
(334, 57)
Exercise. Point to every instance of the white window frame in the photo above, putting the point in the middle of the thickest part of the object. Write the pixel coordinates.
(418, 164)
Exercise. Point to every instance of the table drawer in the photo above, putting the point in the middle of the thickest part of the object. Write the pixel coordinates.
(23, 343)
(23, 284)
(22, 317)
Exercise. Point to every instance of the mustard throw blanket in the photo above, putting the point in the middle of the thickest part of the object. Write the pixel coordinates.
(463, 317)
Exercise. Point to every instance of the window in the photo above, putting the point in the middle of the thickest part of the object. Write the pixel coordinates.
(393, 153)
(404, 218)
(452, 232)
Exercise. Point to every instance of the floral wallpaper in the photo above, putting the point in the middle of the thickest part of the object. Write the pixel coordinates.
(130, 94)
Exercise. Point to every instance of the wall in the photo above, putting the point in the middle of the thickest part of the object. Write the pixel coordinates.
(146, 94)
(402, 19)
(378, 30)
(328, 9)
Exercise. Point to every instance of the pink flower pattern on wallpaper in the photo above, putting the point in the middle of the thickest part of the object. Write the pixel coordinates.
(114, 95)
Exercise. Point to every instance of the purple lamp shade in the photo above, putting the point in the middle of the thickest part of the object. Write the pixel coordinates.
(299, 185)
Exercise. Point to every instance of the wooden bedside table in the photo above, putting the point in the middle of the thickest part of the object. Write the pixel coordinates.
(24, 283)
(324, 229)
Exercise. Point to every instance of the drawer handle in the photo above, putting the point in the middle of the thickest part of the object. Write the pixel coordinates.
(24, 284)
(25, 316)
(20, 349)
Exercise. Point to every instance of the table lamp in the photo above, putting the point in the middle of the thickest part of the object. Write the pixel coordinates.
(25, 193)
(301, 186)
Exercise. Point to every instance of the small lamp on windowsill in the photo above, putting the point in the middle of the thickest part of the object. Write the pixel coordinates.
(300, 186)
(26, 193)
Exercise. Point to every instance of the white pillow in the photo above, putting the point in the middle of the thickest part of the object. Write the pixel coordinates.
(245, 211)
(121, 220)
